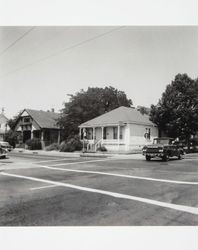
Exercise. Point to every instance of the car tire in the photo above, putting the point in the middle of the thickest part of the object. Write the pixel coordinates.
(165, 158)
(148, 158)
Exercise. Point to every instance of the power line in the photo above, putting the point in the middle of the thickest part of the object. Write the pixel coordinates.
(62, 51)
(18, 39)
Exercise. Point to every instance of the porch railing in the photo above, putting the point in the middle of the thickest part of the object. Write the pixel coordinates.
(98, 144)
(93, 146)
(113, 141)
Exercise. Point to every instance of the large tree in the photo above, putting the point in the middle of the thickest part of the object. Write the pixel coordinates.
(11, 136)
(177, 111)
(86, 105)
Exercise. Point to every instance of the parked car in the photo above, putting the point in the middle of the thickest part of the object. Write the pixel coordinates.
(191, 148)
(163, 148)
(3, 152)
(6, 145)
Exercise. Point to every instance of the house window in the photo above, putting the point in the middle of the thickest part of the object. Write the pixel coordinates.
(0, 125)
(115, 133)
(147, 134)
(90, 134)
(26, 119)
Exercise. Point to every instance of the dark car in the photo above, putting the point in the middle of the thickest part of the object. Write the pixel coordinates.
(163, 148)
(3, 152)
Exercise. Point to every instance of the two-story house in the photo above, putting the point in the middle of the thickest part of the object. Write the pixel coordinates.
(38, 124)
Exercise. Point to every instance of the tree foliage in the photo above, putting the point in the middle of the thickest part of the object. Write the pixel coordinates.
(11, 137)
(177, 111)
(12, 122)
(86, 105)
(143, 110)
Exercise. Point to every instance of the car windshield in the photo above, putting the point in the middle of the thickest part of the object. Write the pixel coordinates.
(161, 141)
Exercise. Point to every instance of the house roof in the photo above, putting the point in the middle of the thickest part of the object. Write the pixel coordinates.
(44, 119)
(119, 115)
(3, 118)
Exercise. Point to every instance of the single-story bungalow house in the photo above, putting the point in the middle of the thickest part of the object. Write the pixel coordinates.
(38, 124)
(122, 129)
(4, 127)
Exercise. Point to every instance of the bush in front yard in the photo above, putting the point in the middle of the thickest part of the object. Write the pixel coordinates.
(53, 146)
(33, 144)
(71, 145)
(102, 149)
(11, 137)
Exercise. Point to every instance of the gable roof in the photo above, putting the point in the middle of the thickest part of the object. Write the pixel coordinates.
(119, 115)
(44, 119)
(3, 118)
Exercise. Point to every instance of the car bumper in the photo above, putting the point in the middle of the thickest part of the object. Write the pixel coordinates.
(158, 154)
(3, 155)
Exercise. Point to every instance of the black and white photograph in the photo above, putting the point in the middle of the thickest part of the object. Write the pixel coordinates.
(99, 129)
(99, 126)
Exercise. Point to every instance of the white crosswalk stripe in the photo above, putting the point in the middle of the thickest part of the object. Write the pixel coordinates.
(182, 208)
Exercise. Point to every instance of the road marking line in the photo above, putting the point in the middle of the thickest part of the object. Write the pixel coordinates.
(29, 156)
(187, 209)
(122, 175)
(48, 186)
(80, 162)
(58, 159)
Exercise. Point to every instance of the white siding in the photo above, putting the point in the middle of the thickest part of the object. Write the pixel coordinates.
(137, 132)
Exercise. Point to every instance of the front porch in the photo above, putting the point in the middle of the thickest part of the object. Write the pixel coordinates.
(111, 137)
(46, 136)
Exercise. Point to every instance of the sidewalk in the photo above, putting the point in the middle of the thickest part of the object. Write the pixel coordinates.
(75, 154)
(46, 153)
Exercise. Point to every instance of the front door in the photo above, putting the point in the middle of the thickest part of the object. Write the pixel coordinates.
(26, 135)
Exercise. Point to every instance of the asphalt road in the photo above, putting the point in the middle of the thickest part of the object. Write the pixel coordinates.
(55, 191)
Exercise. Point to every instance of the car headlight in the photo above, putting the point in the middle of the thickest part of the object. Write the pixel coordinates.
(161, 150)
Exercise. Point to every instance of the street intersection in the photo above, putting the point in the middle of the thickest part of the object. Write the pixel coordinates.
(43, 190)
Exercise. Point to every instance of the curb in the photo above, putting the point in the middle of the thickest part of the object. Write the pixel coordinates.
(135, 155)
(46, 153)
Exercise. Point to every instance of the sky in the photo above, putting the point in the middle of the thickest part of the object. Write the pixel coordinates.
(40, 66)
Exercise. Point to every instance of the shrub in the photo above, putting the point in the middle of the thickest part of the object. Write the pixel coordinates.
(53, 146)
(102, 149)
(11, 137)
(71, 144)
(33, 144)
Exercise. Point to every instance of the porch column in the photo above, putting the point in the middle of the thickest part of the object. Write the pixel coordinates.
(59, 137)
(118, 136)
(42, 139)
(32, 134)
(42, 135)
(94, 133)
(102, 134)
